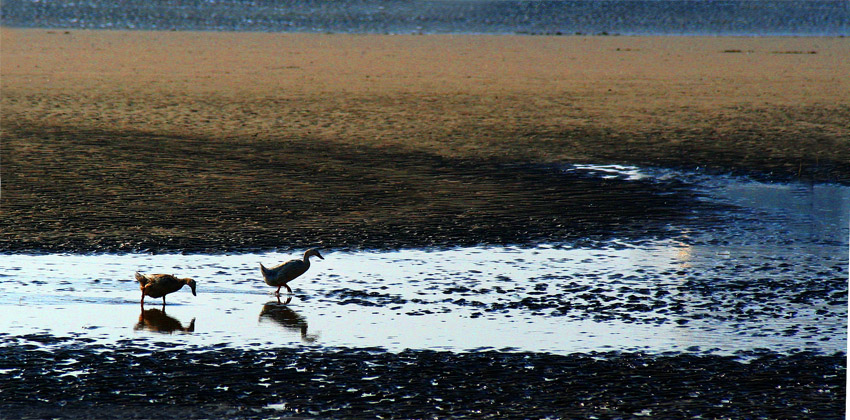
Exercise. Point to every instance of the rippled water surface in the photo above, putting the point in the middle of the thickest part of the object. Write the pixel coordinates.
(731, 17)
(770, 273)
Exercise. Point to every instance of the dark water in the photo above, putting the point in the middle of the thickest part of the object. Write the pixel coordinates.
(804, 18)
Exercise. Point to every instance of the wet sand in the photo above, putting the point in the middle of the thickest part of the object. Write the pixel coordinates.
(120, 140)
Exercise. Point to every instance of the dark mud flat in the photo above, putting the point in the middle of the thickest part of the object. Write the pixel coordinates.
(63, 377)
(83, 191)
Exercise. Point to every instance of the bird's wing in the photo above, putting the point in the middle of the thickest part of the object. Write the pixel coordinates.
(288, 265)
(292, 269)
(165, 282)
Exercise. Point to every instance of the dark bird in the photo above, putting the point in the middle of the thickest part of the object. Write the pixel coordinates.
(282, 274)
(159, 285)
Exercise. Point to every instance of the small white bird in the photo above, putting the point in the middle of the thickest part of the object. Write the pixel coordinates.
(284, 273)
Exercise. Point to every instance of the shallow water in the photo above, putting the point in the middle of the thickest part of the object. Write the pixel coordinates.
(630, 17)
(771, 273)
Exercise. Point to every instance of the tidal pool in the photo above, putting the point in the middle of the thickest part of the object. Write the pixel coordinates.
(769, 272)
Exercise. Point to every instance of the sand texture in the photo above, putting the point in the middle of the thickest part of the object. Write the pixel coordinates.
(138, 140)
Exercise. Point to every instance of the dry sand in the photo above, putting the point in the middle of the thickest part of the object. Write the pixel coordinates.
(97, 125)
(521, 97)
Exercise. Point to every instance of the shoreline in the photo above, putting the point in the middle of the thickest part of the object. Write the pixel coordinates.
(602, 34)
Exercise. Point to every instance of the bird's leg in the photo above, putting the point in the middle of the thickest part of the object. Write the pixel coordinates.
(163, 301)
(287, 288)
(143, 299)
(277, 293)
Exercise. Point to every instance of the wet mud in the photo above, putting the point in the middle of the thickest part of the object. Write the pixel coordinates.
(105, 191)
(164, 382)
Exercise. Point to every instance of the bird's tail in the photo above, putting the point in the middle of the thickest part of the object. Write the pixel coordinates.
(264, 270)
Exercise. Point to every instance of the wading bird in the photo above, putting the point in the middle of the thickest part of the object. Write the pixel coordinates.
(159, 285)
(284, 273)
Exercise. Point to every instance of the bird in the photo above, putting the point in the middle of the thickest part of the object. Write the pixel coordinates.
(159, 285)
(284, 273)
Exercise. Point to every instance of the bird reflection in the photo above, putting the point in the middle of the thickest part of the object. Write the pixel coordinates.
(157, 321)
(280, 314)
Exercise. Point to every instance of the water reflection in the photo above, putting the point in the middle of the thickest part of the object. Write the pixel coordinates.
(282, 315)
(683, 255)
(157, 320)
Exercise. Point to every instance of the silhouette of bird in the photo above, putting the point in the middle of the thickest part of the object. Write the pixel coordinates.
(159, 285)
(282, 274)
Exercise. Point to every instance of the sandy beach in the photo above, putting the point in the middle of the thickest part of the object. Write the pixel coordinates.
(760, 103)
(111, 136)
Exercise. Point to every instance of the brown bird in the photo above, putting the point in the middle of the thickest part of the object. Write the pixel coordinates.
(284, 273)
(159, 285)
